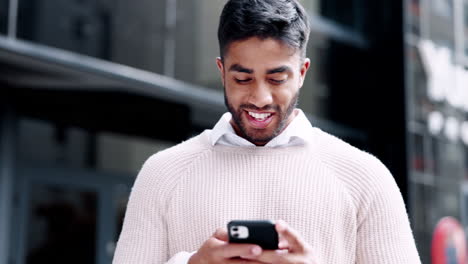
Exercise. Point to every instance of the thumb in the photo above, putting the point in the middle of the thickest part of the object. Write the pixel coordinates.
(221, 234)
(290, 237)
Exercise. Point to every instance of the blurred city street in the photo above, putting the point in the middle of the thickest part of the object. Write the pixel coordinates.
(89, 89)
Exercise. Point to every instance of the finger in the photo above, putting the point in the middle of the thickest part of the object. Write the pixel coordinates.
(236, 250)
(273, 256)
(283, 243)
(243, 261)
(221, 234)
(294, 240)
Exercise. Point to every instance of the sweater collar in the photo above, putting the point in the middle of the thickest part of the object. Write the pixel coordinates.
(298, 132)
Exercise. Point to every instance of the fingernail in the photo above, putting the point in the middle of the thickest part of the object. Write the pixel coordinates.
(256, 251)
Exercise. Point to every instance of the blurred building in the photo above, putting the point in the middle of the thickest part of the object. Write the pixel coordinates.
(436, 81)
(90, 88)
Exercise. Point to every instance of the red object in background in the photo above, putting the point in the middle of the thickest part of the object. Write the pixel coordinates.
(448, 242)
(418, 163)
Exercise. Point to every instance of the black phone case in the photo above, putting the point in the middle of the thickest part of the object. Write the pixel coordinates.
(261, 232)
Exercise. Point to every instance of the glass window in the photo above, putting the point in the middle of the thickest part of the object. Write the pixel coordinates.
(418, 100)
(61, 226)
(179, 41)
(443, 159)
(125, 154)
(316, 87)
(3, 16)
(120, 31)
(53, 144)
(80, 26)
(121, 194)
(430, 204)
(418, 162)
(422, 213)
(346, 13)
(413, 11)
(465, 29)
(450, 162)
(466, 166)
(440, 22)
(434, 156)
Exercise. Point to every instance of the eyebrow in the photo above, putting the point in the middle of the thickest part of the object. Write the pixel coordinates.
(240, 68)
(279, 70)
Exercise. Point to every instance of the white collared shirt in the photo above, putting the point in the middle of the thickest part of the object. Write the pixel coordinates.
(298, 132)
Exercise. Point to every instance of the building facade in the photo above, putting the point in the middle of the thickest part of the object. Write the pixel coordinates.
(436, 55)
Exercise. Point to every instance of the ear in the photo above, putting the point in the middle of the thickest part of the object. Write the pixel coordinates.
(220, 64)
(304, 67)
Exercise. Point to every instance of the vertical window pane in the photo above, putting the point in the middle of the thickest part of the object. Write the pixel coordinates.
(3, 16)
(418, 163)
(119, 31)
(61, 225)
(466, 164)
(121, 194)
(465, 29)
(418, 99)
(413, 10)
(78, 26)
(450, 162)
(138, 33)
(440, 21)
(422, 215)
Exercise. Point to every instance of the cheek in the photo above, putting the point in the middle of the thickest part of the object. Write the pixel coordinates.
(235, 96)
(284, 96)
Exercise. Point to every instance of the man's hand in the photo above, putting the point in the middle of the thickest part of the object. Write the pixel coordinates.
(293, 248)
(218, 250)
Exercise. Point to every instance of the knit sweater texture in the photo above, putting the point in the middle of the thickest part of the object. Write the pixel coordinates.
(343, 201)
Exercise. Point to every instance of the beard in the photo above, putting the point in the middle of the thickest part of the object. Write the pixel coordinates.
(254, 136)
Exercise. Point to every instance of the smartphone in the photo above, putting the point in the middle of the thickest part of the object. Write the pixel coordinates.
(258, 232)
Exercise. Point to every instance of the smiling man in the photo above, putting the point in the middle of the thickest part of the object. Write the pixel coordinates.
(263, 160)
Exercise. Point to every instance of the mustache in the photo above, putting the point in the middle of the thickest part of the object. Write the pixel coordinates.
(265, 108)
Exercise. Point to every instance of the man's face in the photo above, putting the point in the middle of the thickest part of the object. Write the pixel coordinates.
(261, 80)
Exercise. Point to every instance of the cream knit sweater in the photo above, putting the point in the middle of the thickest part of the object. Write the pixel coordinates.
(343, 201)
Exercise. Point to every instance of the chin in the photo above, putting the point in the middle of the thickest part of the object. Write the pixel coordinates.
(257, 137)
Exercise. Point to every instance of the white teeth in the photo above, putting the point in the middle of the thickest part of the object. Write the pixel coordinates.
(259, 116)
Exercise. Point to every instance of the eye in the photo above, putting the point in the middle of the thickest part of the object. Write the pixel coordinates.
(275, 81)
(243, 80)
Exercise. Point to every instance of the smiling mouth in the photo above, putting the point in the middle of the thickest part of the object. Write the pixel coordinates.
(259, 120)
(259, 116)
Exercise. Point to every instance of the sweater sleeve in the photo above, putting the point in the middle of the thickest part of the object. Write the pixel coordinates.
(181, 258)
(143, 238)
(384, 233)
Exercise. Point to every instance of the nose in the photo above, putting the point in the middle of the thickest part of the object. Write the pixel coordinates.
(260, 95)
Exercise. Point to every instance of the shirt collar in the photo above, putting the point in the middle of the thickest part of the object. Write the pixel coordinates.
(298, 132)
